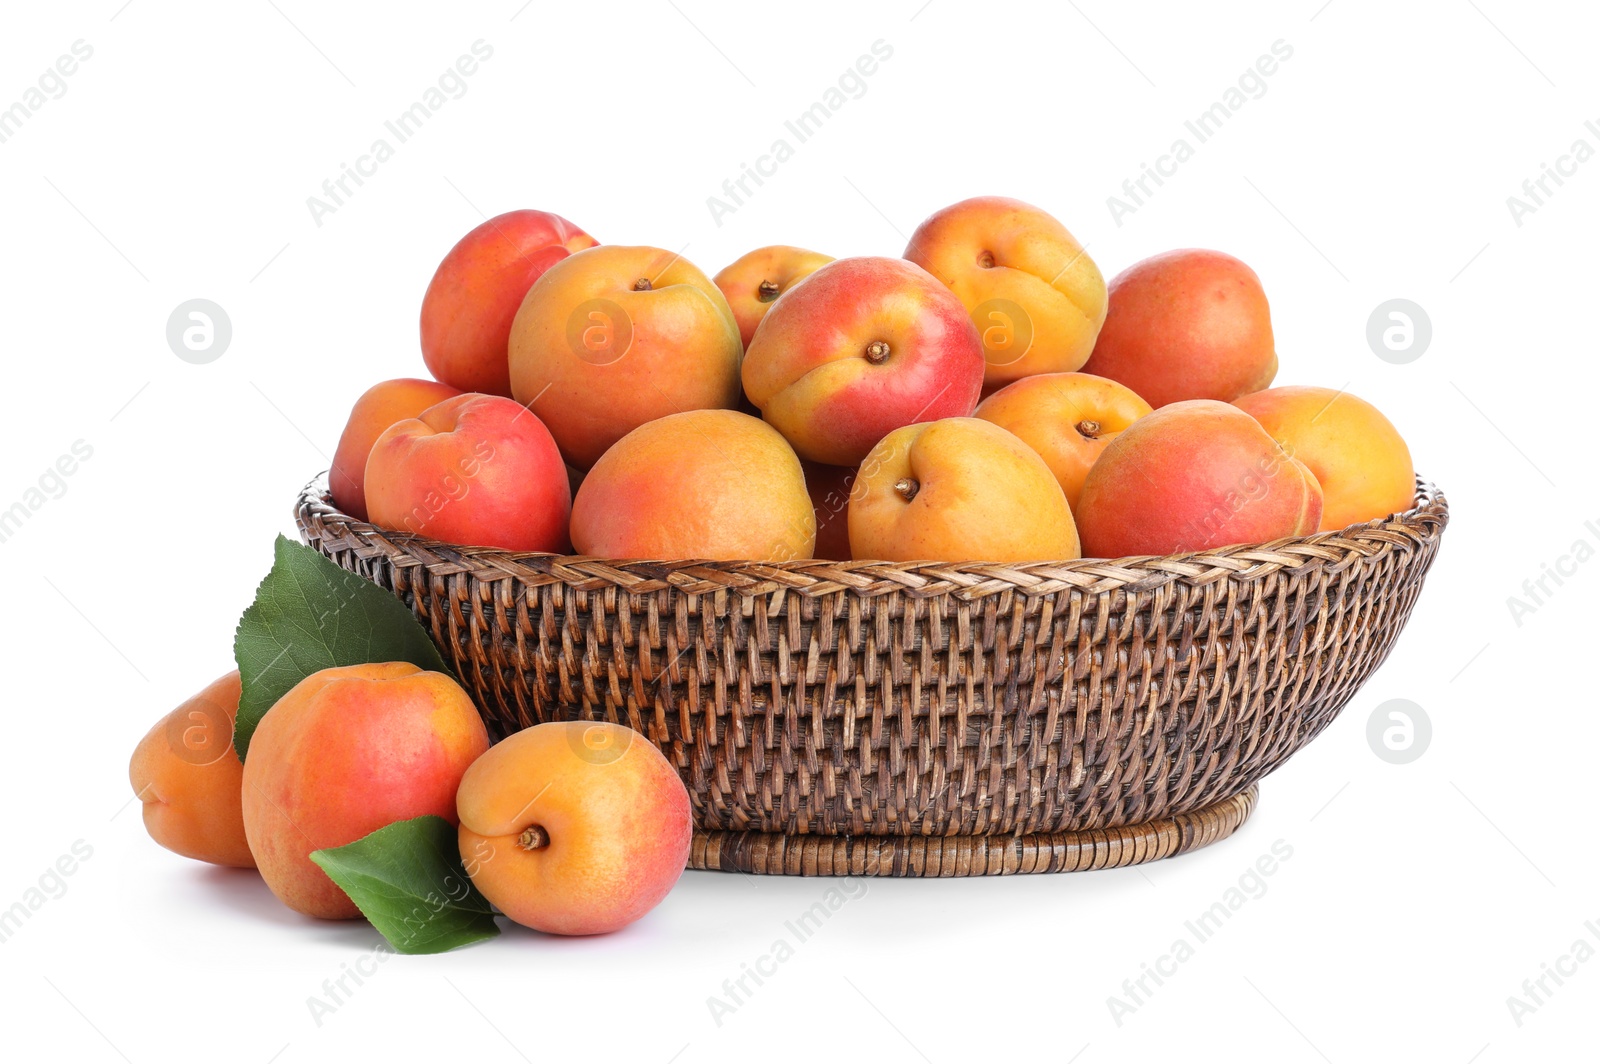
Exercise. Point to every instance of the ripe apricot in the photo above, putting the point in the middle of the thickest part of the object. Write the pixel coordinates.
(1192, 476)
(574, 827)
(613, 337)
(185, 772)
(858, 349)
(755, 280)
(379, 407)
(958, 489)
(1358, 456)
(700, 484)
(1069, 418)
(1034, 294)
(1187, 324)
(474, 295)
(346, 752)
(478, 469)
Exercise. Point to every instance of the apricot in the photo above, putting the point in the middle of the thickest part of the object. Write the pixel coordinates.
(1192, 476)
(1035, 295)
(478, 469)
(379, 407)
(474, 295)
(712, 484)
(829, 488)
(864, 346)
(959, 489)
(753, 281)
(1358, 456)
(1189, 324)
(1069, 418)
(345, 752)
(574, 827)
(185, 772)
(613, 337)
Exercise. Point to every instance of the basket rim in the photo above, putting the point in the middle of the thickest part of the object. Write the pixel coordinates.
(320, 520)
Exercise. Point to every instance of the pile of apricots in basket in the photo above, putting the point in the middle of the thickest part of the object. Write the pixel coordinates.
(988, 397)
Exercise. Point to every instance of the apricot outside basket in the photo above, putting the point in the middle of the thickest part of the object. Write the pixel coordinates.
(926, 719)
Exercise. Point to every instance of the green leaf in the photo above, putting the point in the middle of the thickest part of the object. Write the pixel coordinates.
(409, 881)
(310, 615)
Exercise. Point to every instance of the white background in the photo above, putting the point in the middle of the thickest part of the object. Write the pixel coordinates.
(1376, 165)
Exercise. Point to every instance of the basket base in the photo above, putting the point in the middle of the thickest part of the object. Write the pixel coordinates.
(931, 856)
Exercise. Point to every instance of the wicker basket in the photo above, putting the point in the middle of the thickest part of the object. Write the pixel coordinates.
(926, 719)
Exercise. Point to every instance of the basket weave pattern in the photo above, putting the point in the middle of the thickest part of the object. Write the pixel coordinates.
(856, 699)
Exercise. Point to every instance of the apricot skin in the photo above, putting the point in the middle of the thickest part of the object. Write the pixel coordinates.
(479, 469)
(779, 267)
(1069, 418)
(1001, 256)
(613, 337)
(185, 772)
(1358, 456)
(700, 484)
(474, 295)
(860, 348)
(1192, 476)
(1187, 324)
(615, 819)
(977, 493)
(348, 751)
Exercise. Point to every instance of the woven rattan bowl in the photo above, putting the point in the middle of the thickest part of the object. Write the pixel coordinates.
(926, 719)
